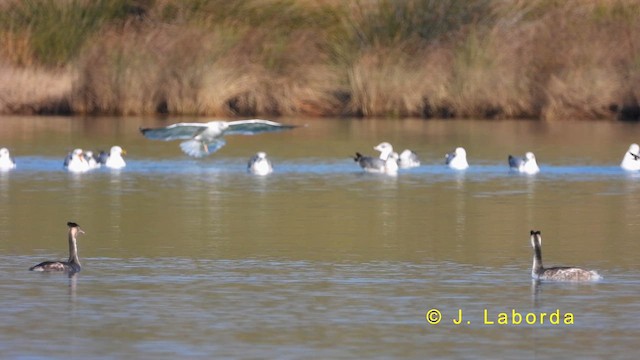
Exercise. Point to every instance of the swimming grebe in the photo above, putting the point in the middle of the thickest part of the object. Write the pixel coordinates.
(259, 164)
(560, 273)
(71, 266)
(526, 164)
(457, 159)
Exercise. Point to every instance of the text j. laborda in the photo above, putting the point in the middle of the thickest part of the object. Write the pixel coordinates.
(510, 317)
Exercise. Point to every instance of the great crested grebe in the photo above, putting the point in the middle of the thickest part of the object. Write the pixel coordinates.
(559, 273)
(259, 164)
(457, 159)
(71, 266)
(526, 164)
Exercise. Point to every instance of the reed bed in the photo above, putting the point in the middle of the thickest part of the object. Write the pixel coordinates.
(543, 59)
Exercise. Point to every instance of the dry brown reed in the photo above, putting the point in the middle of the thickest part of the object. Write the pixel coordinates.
(533, 59)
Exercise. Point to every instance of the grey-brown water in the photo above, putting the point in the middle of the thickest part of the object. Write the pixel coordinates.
(197, 258)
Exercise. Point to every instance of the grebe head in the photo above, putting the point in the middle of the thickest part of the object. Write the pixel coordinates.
(634, 148)
(529, 156)
(73, 226)
(536, 239)
(461, 152)
(261, 154)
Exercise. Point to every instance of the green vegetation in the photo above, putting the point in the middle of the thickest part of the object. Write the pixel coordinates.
(423, 58)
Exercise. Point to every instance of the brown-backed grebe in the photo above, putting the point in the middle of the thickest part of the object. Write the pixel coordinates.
(71, 266)
(560, 273)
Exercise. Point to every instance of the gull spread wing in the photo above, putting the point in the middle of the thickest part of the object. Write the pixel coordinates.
(255, 126)
(180, 131)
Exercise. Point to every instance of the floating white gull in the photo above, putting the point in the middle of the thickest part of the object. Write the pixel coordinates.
(113, 159)
(526, 164)
(76, 162)
(631, 159)
(457, 159)
(6, 161)
(259, 164)
(408, 159)
(385, 150)
(205, 138)
(91, 159)
(560, 273)
(377, 165)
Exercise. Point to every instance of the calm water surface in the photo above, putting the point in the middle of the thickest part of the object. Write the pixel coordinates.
(196, 258)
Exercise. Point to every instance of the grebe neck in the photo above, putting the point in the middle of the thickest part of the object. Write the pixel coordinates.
(73, 247)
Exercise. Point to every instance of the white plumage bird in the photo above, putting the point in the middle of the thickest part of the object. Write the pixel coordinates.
(6, 161)
(259, 164)
(631, 159)
(526, 164)
(203, 139)
(457, 159)
(76, 162)
(114, 159)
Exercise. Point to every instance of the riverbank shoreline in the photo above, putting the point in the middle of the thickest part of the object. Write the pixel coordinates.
(480, 59)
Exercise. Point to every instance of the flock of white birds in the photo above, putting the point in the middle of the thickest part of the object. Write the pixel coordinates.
(202, 139)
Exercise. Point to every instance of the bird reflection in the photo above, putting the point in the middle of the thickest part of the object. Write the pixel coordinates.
(536, 289)
(73, 283)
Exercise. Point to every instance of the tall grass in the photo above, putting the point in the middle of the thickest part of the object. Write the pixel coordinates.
(425, 58)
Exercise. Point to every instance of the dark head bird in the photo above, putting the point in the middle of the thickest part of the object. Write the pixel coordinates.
(70, 266)
(558, 273)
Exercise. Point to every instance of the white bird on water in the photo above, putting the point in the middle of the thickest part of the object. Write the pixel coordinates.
(377, 165)
(526, 164)
(631, 159)
(203, 139)
(259, 164)
(457, 159)
(407, 159)
(114, 159)
(6, 161)
(76, 162)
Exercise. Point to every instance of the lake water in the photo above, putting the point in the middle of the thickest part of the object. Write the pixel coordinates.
(196, 258)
